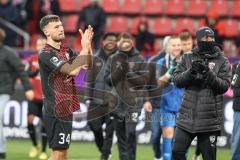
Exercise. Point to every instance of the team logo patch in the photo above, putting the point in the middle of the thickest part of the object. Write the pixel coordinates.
(56, 61)
(212, 139)
(211, 65)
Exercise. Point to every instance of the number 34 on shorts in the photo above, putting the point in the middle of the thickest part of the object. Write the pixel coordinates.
(64, 138)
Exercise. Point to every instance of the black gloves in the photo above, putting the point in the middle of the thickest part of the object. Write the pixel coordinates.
(199, 66)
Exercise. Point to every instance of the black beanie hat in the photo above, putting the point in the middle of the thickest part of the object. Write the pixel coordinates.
(203, 31)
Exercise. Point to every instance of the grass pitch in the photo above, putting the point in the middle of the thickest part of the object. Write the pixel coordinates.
(18, 150)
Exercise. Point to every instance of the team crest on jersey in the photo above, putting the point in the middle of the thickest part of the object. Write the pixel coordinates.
(56, 61)
(211, 65)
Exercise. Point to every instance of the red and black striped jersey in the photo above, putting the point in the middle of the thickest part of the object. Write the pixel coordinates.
(59, 90)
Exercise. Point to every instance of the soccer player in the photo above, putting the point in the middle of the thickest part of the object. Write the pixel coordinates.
(35, 106)
(58, 65)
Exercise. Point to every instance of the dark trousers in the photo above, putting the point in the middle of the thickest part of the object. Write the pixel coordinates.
(182, 140)
(120, 128)
(104, 144)
(131, 139)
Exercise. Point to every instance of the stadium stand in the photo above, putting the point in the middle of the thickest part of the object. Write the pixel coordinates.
(175, 7)
(165, 17)
(118, 24)
(221, 6)
(111, 6)
(131, 7)
(152, 7)
(196, 8)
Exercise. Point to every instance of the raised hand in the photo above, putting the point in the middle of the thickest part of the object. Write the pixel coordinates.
(86, 40)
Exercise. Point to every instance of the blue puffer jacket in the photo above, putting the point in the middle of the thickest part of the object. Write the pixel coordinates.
(171, 95)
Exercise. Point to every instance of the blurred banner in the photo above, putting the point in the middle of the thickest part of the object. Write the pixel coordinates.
(15, 122)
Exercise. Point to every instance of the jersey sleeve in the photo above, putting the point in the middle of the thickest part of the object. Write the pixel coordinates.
(51, 61)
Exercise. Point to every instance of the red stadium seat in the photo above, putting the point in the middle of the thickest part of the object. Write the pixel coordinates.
(153, 7)
(83, 3)
(69, 6)
(70, 23)
(184, 23)
(131, 7)
(235, 10)
(196, 8)
(201, 22)
(230, 27)
(111, 6)
(162, 26)
(220, 6)
(118, 24)
(175, 7)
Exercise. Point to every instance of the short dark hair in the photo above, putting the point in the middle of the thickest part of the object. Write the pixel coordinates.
(125, 35)
(185, 35)
(47, 19)
(109, 34)
(2, 35)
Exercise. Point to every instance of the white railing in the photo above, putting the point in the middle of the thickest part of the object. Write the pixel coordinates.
(18, 30)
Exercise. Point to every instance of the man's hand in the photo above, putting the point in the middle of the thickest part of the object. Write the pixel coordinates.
(86, 40)
(29, 95)
(171, 70)
(199, 67)
(147, 106)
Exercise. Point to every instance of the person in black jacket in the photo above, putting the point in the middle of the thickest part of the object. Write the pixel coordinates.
(236, 107)
(11, 68)
(205, 74)
(125, 72)
(145, 40)
(95, 90)
(95, 16)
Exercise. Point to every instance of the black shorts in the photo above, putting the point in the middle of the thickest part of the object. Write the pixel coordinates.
(58, 132)
(35, 108)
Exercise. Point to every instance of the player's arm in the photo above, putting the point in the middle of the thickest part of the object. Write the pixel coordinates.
(84, 59)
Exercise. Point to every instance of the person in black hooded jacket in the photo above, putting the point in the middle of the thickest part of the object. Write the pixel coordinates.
(95, 92)
(126, 72)
(205, 74)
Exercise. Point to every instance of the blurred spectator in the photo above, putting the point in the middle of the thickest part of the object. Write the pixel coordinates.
(35, 106)
(235, 147)
(162, 53)
(36, 9)
(97, 111)
(212, 21)
(11, 68)
(11, 14)
(145, 40)
(55, 7)
(186, 41)
(95, 16)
